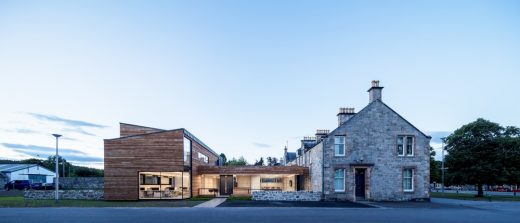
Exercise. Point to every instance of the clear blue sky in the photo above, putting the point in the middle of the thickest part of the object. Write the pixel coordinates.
(247, 76)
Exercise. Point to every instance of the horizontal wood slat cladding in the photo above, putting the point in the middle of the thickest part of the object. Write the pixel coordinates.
(130, 130)
(253, 170)
(197, 148)
(126, 157)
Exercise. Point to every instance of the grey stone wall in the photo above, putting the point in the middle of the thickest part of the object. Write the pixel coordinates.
(316, 168)
(371, 135)
(80, 183)
(286, 196)
(64, 194)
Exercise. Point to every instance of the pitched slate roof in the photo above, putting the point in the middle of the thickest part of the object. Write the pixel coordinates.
(290, 156)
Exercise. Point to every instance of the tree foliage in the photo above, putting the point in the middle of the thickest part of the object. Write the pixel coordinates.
(483, 152)
(435, 168)
(259, 162)
(237, 162)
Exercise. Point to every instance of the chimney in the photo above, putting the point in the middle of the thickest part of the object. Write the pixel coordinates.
(345, 114)
(375, 92)
(320, 133)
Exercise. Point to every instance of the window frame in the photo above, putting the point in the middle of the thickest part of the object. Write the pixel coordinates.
(343, 181)
(404, 145)
(336, 154)
(411, 179)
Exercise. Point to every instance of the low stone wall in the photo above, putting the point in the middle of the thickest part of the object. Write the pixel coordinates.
(286, 196)
(81, 183)
(64, 194)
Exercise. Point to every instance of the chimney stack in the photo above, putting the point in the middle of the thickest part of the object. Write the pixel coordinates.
(375, 91)
(345, 114)
(320, 133)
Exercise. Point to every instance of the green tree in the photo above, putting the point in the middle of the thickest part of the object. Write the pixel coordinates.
(483, 152)
(237, 162)
(223, 158)
(435, 168)
(259, 162)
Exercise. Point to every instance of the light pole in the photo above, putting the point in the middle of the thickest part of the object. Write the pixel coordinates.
(57, 174)
(442, 167)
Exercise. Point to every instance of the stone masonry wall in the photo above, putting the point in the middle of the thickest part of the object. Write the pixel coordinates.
(371, 136)
(286, 196)
(64, 194)
(80, 183)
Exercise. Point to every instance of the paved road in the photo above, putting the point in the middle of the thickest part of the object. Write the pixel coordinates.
(254, 215)
(493, 193)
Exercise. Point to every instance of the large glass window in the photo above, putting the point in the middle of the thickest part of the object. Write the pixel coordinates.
(339, 180)
(187, 150)
(339, 145)
(164, 185)
(408, 180)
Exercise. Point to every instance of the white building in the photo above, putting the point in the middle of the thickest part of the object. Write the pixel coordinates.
(33, 172)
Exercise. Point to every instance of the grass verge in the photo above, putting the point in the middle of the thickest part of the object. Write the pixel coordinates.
(461, 196)
(21, 202)
(239, 198)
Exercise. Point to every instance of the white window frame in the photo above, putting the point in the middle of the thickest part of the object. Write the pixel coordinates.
(344, 176)
(405, 144)
(344, 146)
(412, 179)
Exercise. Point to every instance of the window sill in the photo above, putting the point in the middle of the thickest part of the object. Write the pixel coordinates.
(408, 191)
(339, 192)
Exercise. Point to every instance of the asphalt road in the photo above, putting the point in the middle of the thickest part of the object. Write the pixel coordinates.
(253, 215)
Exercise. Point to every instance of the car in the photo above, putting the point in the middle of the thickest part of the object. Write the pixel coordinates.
(18, 185)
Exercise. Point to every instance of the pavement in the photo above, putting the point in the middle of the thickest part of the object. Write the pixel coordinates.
(317, 204)
(211, 203)
(439, 210)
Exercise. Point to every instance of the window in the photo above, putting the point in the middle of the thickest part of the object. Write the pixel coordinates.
(339, 180)
(405, 145)
(408, 180)
(187, 149)
(203, 158)
(339, 145)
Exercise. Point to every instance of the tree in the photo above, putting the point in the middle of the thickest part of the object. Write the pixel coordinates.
(272, 161)
(223, 158)
(237, 162)
(259, 162)
(483, 152)
(435, 168)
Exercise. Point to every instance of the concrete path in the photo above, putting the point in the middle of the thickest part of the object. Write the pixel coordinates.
(211, 203)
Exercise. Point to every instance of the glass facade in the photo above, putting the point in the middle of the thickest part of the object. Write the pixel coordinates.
(164, 185)
(187, 152)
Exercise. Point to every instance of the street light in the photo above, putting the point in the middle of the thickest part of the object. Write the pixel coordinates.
(57, 174)
(442, 167)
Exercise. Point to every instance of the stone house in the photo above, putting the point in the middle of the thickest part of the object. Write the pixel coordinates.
(374, 154)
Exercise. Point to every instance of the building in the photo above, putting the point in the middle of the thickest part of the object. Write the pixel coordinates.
(374, 154)
(150, 163)
(33, 172)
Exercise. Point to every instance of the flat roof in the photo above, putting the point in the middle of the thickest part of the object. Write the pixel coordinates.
(229, 170)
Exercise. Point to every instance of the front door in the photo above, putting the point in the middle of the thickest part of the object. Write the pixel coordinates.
(226, 184)
(360, 183)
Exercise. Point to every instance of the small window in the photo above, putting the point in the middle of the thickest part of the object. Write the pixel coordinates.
(405, 145)
(339, 145)
(408, 180)
(339, 180)
(203, 158)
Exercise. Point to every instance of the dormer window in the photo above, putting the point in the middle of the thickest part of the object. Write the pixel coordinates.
(405, 145)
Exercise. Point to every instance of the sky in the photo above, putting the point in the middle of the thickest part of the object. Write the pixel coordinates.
(247, 77)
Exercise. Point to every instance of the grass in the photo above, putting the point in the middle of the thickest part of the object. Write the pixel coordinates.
(472, 197)
(21, 202)
(239, 198)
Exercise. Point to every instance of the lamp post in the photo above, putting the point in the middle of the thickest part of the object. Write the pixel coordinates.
(442, 167)
(57, 174)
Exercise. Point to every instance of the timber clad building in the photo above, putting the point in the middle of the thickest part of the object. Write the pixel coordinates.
(374, 154)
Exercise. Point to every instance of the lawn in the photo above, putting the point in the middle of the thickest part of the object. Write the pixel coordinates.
(21, 202)
(472, 197)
